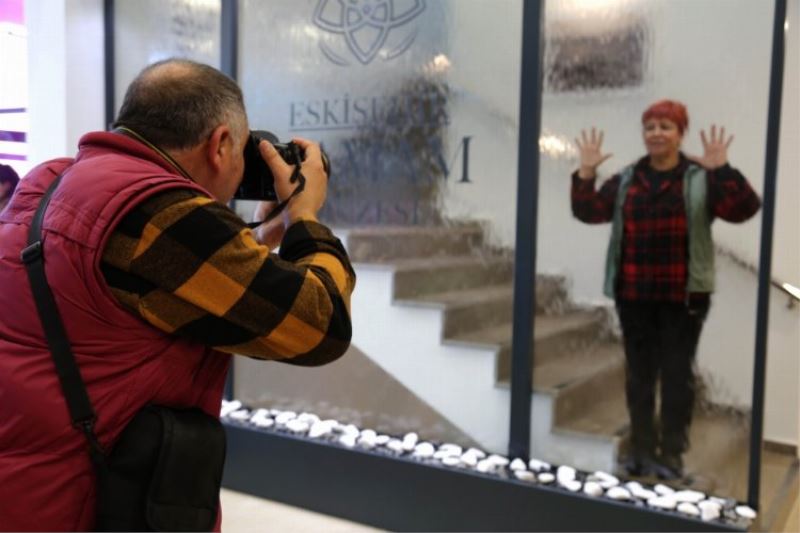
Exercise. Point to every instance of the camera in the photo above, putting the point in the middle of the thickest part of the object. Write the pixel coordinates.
(258, 182)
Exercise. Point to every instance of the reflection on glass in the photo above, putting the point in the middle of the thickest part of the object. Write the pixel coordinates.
(418, 117)
(647, 410)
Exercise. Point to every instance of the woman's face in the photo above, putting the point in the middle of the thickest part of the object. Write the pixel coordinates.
(662, 137)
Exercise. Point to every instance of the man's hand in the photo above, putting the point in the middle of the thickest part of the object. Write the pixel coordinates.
(715, 151)
(269, 233)
(305, 205)
(591, 153)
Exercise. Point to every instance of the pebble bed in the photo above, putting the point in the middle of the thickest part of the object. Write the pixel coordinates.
(410, 446)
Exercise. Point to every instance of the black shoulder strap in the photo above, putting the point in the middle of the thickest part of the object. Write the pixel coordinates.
(80, 407)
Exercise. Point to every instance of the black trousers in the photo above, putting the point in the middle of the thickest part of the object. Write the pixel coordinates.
(660, 344)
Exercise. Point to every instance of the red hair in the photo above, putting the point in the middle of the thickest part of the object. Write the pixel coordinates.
(669, 109)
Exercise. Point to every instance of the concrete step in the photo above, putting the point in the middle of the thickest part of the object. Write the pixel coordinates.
(417, 277)
(471, 309)
(385, 243)
(554, 336)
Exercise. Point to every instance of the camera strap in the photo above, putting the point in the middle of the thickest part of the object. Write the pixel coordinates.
(80, 407)
(297, 177)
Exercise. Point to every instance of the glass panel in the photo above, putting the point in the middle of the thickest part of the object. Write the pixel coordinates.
(606, 62)
(147, 31)
(416, 103)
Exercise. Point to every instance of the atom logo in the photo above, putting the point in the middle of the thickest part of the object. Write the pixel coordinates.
(366, 26)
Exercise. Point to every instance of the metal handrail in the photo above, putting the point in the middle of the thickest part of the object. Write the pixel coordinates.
(790, 290)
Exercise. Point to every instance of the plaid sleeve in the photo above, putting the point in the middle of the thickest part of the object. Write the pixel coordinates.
(590, 206)
(730, 196)
(188, 265)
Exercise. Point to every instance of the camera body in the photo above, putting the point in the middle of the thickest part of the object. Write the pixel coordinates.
(258, 182)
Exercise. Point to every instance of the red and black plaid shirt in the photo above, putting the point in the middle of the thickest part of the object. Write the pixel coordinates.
(654, 242)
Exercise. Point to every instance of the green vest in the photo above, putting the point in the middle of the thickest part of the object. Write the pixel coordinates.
(701, 245)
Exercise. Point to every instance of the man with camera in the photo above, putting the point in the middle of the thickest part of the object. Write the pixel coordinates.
(157, 282)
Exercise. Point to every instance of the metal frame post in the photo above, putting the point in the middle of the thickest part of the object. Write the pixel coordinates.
(109, 63)
(530, 114)
(765, 264)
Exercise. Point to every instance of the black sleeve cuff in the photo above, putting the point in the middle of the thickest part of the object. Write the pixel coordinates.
(305, 238)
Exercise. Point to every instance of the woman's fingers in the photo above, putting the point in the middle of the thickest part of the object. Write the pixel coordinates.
(730, 140)
(600, 139)
(703, 139)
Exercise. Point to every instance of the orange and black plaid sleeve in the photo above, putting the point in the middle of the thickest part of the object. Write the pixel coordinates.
(189, 266)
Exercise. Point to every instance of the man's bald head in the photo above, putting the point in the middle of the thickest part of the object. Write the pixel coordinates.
(176, 103)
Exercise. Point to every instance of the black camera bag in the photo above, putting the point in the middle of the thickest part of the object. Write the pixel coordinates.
(165, 470)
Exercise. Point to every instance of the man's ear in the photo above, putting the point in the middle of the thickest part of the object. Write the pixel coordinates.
(219, 146)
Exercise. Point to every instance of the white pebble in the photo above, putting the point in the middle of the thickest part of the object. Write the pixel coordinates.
(283, 418)
(395, 445)
(259, 414)
(709, 504)
(309, 418)
(455, 449)
(410, 440)
(498, 460)
(320, 429)
(382, 440)
(709, 512)
(241, 414)
(662, 502)
(745, 512)
(469, 459)
(546, 477)
(721, 501)
(565, 473)
(369, 434)
(348, 440)
(606, 480)
(297, 426)
(688, 508)
(518, 464)
(592, 488)
(480, 454)
(441, 454)
(263, 422)
(689, 496)
(484, 465)
(229, 407)
(366, 443)
(349, 429)
(424, 450)
(525, 475)
(537, 466)
(572, 486)
(618, 493)
(451, 461)
(663, 490)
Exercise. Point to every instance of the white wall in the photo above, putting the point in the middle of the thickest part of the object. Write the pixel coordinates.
(65, 65)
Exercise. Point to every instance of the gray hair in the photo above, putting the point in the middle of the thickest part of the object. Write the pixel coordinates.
(176, 104)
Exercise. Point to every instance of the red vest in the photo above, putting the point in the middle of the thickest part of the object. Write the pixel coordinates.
(46, 479)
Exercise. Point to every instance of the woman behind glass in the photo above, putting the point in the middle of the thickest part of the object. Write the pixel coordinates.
(660, 268)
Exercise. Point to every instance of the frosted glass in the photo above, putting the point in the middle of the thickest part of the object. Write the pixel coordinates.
(606, 62)
(416, 103)
(147, 31)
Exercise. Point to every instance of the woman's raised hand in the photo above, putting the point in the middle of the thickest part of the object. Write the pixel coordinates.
(591, 153)
(715, 149)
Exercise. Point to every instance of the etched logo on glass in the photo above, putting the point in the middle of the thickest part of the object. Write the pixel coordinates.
(370, 27)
